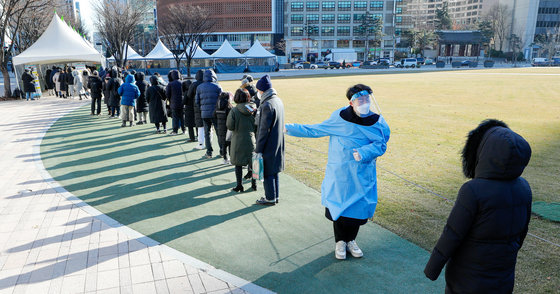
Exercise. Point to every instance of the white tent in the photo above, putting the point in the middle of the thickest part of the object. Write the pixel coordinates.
(257, 51)
(58, 44)
(159, 52)
(226, 51)
(199, 53)
(131, 55)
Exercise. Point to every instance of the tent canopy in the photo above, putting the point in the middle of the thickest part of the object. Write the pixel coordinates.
(258, 51)
(199, 53)
(58, 44)
(159, 52)
(226, 51)
(131, 55)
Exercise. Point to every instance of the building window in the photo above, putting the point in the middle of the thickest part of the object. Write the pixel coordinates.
(398, 19)
(327, 18)
(358, 44)
(343, 31)
(398, 32)
(356, 30)
(344, 5)
(376, 5)
(312, 6)
(360, 5)
(398, 10)
(329, 5)
(313, 31)
(297, 6)
(358, 17)
(344, 18)
(297, 31)
(343, 43)
(327, 31)
(312, 18)
(296, 18)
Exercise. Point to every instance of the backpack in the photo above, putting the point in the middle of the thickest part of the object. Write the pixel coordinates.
(18, 93)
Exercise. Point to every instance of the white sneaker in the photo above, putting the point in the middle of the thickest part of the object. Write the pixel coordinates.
(354, 249)
(226, 162)
(340, 250)
(200, 147)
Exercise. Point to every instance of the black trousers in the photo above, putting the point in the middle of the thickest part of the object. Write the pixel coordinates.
(345, 228)
(94, 102)
(178, 119)
(239, 175)
(157, 126)
(191, 129)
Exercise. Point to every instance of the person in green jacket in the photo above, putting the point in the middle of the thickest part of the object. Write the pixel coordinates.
(241, 123)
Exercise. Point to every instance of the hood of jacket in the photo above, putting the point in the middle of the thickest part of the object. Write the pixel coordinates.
(114, 72)
(129, 79)
(502, 154)
(154, 81)
(139, 76)
(174, 76)
(199, 75)
(243, 109)
(210, 76)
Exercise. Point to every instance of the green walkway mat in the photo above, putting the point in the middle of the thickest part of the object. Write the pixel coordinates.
(162, 187)
(549, 211)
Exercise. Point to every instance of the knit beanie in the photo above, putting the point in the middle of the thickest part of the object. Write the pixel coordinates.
(264, 83)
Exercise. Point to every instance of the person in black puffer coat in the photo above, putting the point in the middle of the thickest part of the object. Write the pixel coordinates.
(141, 102)
(28, 84)
(106, 91)
(490, 219)
(114, 98)
(199, 124)
(175, 94)
(95, 84)
(155, 95)
(223, 107)
(188, 110)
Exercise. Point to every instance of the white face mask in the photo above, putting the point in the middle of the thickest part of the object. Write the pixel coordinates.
(259, 95)
(363, 109)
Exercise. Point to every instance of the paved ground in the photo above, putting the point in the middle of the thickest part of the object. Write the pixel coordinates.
(161, 187)
(51, 242)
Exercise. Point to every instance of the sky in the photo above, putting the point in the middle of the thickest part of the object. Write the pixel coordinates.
(87, 14)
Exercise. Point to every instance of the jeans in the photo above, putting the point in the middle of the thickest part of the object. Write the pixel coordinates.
(208, 122)
(115, 110)
(271, 187)
(95, 101)
(29, 95)
(178, 119)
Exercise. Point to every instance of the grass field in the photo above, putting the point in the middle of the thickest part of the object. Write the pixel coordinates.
(430, 115)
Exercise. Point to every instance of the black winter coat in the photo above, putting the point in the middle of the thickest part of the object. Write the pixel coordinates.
(106, 92)
(191, 96)
(155, 95)
(28, 82)
(141, 102)
(188, 104)
(95, 84)
(174, 91)
(48, 79)
(270, 132)
(223, 107)
(113, 87)
(62, 81)
(489, 220)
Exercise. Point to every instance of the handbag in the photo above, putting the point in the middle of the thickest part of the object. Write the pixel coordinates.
(258, 167)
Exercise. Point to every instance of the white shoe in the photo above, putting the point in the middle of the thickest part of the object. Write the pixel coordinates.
(200, 147)
(340, 250)
(354, 249)
(226, 162)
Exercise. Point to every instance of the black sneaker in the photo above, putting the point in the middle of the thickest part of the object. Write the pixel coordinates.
(265, 202)
(248, 176)
(208, 156)
(238, 189)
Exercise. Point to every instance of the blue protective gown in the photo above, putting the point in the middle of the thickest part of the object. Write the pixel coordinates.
(350, 187)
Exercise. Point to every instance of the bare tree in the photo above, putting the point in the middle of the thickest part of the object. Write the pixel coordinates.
(12, 14)
(370, 29)
(117, 22)
(500, 19)
(549, 41)
(184, 29)
(515, 42)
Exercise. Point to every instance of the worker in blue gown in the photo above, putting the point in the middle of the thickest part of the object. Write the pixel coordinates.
(358, 136)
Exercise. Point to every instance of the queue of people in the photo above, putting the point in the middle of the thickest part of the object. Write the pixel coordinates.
(478, 247)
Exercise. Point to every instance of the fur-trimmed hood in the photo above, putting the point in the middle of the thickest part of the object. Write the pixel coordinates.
(493, 151)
